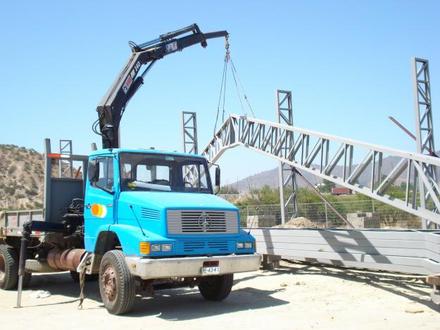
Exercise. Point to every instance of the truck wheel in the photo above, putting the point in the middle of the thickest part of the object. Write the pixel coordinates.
(216, 288)
(116, 283)
(8, 268)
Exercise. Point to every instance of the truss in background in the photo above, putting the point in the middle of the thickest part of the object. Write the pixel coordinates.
(332, 158)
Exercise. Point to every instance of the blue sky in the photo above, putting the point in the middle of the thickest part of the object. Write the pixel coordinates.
(347, 63)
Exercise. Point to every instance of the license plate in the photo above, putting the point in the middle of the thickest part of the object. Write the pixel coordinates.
(210, 270)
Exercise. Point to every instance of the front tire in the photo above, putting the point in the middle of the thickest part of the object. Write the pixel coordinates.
(116, 283)
(216, 288)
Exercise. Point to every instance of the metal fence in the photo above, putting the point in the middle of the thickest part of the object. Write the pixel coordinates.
(362, 214)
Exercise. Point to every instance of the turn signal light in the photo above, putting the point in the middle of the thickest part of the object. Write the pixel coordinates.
(144, 247)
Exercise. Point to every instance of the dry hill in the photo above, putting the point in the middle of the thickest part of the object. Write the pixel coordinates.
(21, 177)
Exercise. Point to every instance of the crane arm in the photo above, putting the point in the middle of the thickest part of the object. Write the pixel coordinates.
(112, 106)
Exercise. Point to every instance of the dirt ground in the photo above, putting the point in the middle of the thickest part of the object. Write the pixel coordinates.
(296, 296)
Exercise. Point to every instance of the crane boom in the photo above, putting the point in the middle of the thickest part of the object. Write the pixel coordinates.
(112, 106)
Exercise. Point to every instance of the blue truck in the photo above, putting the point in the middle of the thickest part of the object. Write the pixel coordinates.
(137, 220)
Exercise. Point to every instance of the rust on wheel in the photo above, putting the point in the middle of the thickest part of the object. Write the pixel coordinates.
(2, 269)
(109, 283)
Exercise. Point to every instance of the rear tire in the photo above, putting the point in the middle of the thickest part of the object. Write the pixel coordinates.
(8, 268)
(216, 288)
(116, 283)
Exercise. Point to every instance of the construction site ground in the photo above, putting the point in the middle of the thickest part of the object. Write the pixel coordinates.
(295, 296)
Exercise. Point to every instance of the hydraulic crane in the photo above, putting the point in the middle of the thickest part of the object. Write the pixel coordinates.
(112, 106)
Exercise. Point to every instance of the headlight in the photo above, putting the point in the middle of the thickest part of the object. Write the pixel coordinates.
(240, 245)
(155, 247)
(167, 247)
(248, 245)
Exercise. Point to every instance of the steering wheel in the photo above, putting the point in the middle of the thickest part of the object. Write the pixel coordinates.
(161, 182)
(188, 183)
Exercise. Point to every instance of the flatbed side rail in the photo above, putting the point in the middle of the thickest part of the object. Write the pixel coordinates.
(11, 223)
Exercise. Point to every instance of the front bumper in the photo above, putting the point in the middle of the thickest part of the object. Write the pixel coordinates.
(190, 266)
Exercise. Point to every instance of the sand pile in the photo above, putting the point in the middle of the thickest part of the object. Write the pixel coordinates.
(299, 222)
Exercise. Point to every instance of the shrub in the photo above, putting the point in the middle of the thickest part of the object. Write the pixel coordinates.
(12, 169)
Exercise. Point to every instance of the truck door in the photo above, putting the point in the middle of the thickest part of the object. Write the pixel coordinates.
(99, 201)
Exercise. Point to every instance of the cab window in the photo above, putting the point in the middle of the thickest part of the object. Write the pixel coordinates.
(105, 179)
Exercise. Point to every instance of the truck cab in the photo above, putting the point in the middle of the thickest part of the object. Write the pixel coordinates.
(159, 204)
(158, 213)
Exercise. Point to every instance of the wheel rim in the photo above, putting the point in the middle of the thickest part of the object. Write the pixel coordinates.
(2, 268)
(109, 283)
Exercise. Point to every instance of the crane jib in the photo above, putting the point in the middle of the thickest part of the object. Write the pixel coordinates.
(113, 105)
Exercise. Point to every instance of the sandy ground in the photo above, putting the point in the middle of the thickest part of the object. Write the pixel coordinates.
(296, 296)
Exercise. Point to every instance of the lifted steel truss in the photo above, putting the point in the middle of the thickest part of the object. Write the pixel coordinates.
(332, 158)
(287, 177)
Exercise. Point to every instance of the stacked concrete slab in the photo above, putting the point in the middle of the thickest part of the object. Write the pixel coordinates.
(406, 251)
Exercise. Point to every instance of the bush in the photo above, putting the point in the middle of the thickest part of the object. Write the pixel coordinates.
(10, 190)
(27, 167)
(12, 169)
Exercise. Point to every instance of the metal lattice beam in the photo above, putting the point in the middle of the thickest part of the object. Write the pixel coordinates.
(189, 125)
(332, 158)
(190, 143)
(422, 107)
(424, 123)
(287, 177)
(65, 165)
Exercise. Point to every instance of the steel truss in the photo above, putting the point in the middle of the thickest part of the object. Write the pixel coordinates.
(189, 126)
(65, 165)
(287, 176)
(423, 115)
(190, 142)
(332, 158)
(422, 107)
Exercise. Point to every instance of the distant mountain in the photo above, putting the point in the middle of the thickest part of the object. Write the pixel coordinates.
(267, 178)
(270, 177)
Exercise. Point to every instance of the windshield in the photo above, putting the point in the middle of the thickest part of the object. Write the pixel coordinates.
(159, 172)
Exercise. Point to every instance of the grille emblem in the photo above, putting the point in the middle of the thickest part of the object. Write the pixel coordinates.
(204, 221)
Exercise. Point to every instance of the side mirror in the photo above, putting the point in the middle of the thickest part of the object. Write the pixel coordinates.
(93, 171)
(217, 176)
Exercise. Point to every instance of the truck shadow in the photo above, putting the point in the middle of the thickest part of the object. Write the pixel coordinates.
(186, 304)
(58, 284)
(170, 304)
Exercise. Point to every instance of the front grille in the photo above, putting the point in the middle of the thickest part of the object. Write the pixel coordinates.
(205, 247)
(201, 222)
(151, 214)
(193, 246)
(218, 245)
